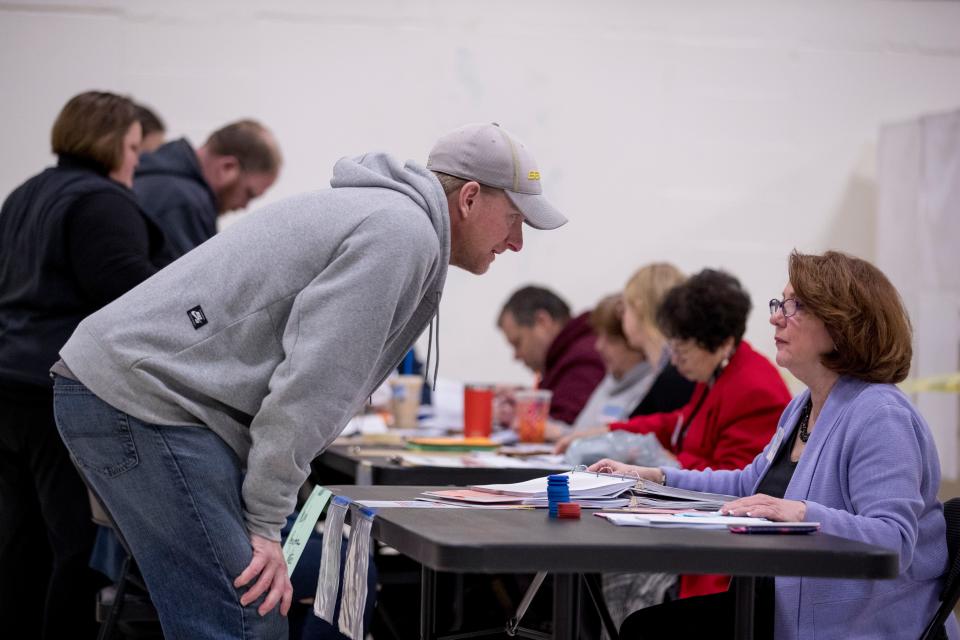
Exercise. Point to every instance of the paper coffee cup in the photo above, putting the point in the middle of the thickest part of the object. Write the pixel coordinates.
(405, 400)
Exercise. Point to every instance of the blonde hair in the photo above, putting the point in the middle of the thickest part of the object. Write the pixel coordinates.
(646, 289)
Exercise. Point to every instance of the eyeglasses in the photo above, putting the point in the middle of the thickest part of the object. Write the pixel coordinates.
(681, 348)
(789, 306)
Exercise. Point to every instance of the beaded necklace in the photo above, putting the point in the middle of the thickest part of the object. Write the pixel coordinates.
(805, 421)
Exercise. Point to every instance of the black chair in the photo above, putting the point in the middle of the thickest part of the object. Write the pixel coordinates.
(951, 589)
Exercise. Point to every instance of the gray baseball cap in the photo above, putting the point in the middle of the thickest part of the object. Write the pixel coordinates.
(492, 156)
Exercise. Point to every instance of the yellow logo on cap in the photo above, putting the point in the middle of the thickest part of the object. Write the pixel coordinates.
(533, 175)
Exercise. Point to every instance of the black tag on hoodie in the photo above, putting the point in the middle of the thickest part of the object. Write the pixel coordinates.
(197, 317)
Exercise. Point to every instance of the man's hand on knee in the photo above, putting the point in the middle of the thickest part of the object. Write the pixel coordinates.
(267, 563)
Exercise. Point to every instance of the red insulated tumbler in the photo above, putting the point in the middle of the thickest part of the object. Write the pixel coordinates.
(477, 411)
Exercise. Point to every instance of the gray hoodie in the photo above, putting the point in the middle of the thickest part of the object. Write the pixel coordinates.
(274, 333)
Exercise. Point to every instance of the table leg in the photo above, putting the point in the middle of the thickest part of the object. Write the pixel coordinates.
(364, 474)
(744, 588)
(428, 602)
(595, 591)
(566, 606)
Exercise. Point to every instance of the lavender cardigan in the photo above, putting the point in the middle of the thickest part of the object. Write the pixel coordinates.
(870, 472)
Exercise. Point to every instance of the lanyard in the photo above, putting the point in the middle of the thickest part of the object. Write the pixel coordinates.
(676, 441)
(303, 527)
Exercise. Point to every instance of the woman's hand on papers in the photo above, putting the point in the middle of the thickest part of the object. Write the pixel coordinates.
(622, 469)
(268, 563)
(764, 506)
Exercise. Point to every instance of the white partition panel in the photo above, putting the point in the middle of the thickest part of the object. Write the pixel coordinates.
(918, 246)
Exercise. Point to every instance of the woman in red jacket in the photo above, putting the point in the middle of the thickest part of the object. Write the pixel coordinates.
(739, 396)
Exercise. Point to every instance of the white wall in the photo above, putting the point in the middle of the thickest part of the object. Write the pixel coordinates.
(708, 133)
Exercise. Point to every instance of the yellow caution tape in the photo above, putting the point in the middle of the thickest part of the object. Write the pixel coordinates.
(947, 383)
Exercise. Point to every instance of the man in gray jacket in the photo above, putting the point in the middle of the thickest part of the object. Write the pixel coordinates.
(195, 403)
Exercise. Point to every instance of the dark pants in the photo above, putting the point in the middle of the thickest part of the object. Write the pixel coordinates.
(700, 617)
(46, 587)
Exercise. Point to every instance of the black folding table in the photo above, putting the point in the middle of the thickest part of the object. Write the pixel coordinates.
(350, 463)
(527, 541)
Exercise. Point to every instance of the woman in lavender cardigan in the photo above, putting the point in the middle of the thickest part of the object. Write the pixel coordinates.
(850, 452)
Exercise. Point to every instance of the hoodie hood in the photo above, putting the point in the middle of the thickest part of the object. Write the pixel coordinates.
(380, 170)
(412, 180)
(577, 335)
(176, 158)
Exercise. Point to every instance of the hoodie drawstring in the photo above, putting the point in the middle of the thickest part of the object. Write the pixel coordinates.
(426, 365)
(436, 364)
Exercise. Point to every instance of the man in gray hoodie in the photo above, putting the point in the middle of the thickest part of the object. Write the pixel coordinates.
(195, 403)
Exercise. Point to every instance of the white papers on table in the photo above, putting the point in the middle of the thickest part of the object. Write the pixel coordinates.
(529, 449)
(582, 485)
(468, 496)
(419, 460)
(421, 503)
(408, 504)
(447, 399)
(589, 490)
(483, 459)
(365, 424)
(472, 498)
(505, 436)
(486, 459)
(682, 520)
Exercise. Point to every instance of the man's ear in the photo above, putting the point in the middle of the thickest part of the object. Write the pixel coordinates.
(467, 198)
(227, 170)
(543, 319)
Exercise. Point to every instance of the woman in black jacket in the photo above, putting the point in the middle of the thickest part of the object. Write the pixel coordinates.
(72, 239)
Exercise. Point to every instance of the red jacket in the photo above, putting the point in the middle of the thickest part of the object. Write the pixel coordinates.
(736, 420)
(573, 369)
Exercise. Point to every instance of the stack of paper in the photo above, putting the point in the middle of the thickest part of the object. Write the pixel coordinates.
(652, 494)
(482, 459)
(469, 497)
(589, 490)
(522, 449)
(583, 484)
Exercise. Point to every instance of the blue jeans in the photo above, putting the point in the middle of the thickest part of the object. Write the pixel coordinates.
(108, 556)
(174, 492)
